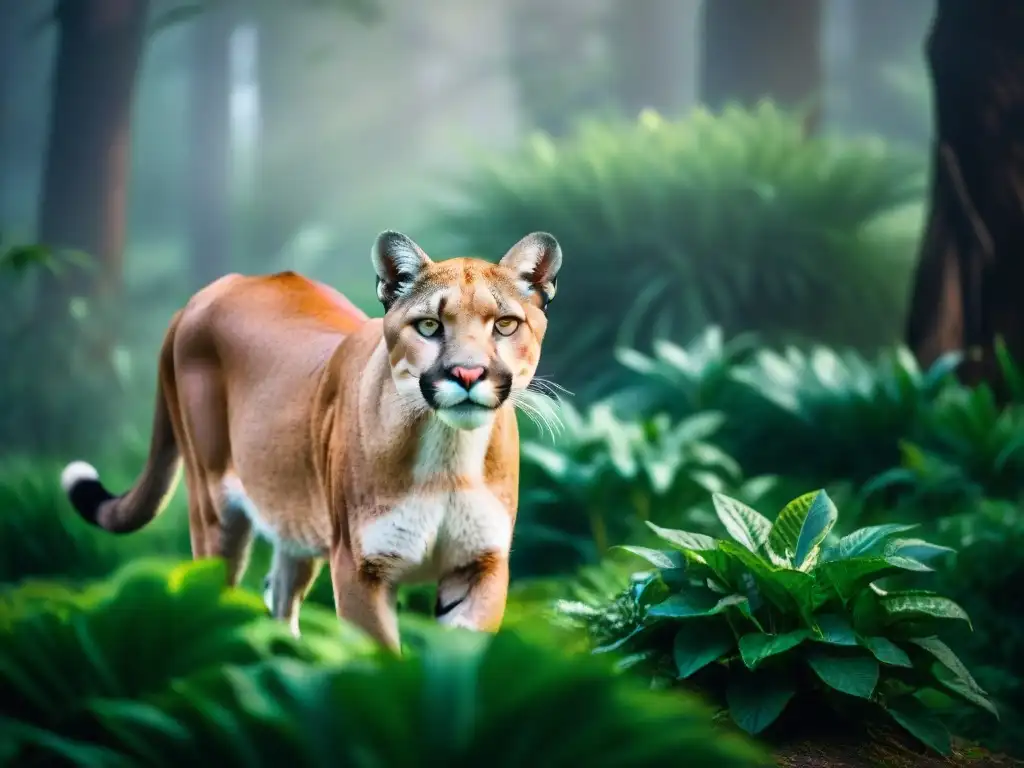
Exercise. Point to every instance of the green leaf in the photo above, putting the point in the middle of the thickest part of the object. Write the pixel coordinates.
(756, 699)
(693, 542)
(802, 525)
(683, 605)
(953, 675)
(758, 646)
(788, 589)
(747, 526)
(920, 723)
(864, 540)
(848, 577)
(835, 630)
(887, 652)
(697, 645)
(656, 557)
(852, 675)
(916, 549)
(913, 606)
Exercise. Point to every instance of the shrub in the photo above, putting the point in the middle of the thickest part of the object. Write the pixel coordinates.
(607, 475)
(737, 218)
(781, 612)
(461, 699)
(64, 651)
(819, 415)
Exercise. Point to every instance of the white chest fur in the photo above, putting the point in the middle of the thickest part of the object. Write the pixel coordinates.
(432, 531)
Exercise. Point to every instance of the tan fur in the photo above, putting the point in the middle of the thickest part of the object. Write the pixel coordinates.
(298, 418)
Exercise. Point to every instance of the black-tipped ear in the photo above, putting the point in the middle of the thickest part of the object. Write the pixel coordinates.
(398, 261)
(535, 260)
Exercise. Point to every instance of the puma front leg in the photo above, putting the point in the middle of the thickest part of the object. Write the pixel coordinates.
(473, 596)
(365, 597)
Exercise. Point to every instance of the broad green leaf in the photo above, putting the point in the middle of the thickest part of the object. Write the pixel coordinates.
(802, 525)
(821, 517)
(698, 644)
(747, 526)
(788, 589)
(756, 699)
(656, 557)
(694, 542)
(956, 677)
(684, 605)
(835, 629)
(916, 549)
(913, 606)
(758, 646)
(887, 652)
(864, 540)
(849, 576)
(920, 722)
(852, 675)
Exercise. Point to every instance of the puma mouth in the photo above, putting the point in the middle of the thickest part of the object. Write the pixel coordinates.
(465, 415)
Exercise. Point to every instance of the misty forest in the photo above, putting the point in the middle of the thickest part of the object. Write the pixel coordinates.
(771, 480)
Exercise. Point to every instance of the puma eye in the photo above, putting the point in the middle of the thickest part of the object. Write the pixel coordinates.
(506, 326)
(428, 327)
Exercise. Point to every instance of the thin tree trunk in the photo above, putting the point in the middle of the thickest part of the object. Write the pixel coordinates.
(84, 193)
(755, 49)
(8, 23)
(209, 175)
(653, 53)
(971, 267)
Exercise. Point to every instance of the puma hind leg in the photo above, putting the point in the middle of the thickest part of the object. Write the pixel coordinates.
(286, 586)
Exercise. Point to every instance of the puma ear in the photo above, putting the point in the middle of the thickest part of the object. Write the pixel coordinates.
(398, 261)
(535, 261)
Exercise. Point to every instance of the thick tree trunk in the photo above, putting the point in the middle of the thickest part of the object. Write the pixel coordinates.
(209, 174)
(968, 285)
(755, 49)
(886, 36)
(655, 66)
(85, 183)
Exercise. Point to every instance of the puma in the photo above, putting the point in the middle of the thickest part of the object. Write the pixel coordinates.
(387, 447)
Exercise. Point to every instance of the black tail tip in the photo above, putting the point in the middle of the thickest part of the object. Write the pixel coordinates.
(81, 482)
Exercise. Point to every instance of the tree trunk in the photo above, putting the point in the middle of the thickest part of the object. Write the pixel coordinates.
(9, 18)
(886, 37)
(85, 182)
(654, 58)
(209, 175)
(755, 49)
(971, 267)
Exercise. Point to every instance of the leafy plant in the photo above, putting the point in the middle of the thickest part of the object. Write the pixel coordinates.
(454, 699)
(683, 380)
(606, 474)
(784, 611)
(737, 218)
(64, 651)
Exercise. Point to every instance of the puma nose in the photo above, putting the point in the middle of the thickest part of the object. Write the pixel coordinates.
(467, 377)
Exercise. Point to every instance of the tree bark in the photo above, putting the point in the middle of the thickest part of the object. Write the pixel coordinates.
(209, 175)
(652, 49)
(971, 267)
(755, 49)
(84, 192)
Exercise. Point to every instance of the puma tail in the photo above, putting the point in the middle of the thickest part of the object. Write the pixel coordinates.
(155, 485)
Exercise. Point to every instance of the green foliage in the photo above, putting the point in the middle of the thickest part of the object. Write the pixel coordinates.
(606, 476)
(41, 537)
(737, 218)
(785, 609)
(66, 653)
(165, 667)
